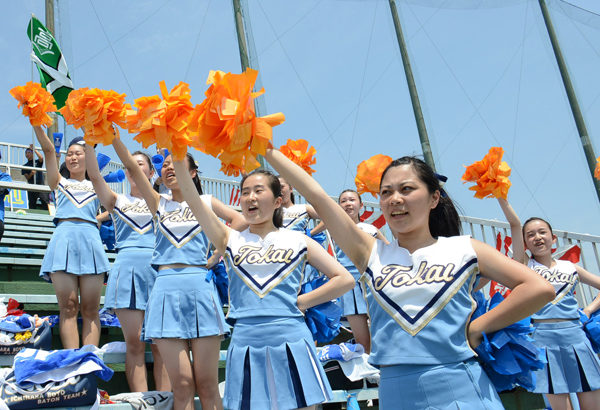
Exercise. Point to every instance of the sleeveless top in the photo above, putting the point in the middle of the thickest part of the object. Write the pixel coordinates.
(420, 304)
(563, 276)
(345, 260)
(133, 223)
(295, 217)
(76, 199)
(179, 236)
(265, 274)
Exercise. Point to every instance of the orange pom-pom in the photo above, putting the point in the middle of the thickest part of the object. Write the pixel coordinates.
(368, 174)
(490, 175)
(225, 125)
(597, 169)
(96, 111)
(300, 154)
(36, 103)
(163, 121)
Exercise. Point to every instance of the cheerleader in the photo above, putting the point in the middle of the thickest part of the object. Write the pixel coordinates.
(271, 360)
(131, 277)
(296, 216)
(572, 367)
(418, 288)
(353, 303)
(74, 261)
(183, 311)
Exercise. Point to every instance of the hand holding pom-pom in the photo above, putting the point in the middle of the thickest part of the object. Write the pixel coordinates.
(96, 111)
(163, 121)
(490, 175)
(597, 169)
(368, 174)
(299, 153)
(36, 103)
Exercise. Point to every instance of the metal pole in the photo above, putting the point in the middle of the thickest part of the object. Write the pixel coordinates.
(50, 26)
(412, 89)
(244, 57)
(577, 114)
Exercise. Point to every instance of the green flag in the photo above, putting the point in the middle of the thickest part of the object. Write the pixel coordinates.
(50, 62)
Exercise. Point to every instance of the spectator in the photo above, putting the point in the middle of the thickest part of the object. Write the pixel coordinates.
(3, 192)
(35, 177)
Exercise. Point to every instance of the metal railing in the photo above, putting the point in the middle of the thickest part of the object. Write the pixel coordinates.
(485, 230)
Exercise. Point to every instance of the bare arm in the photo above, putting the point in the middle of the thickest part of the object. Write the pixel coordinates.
(105, 194)
(235, 219)
(340, 280)
(50, 155)
(215, 230)
(148, 193)
(311, 212)
(513, 220)
(530, 292)
(37, 153)
(381, 237)
(355, 243)
(593, 280)
(318, 229)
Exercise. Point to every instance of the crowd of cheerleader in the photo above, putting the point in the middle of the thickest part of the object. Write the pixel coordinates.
(410, 299)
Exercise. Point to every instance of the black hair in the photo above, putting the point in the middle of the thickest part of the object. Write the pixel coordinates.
(349, 190)
(292, 199)
(275, 187)
(192, 166)
(535, 218)
(443, 219)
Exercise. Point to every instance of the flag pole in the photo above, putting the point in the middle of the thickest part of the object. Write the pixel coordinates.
(50, 26)
(584, 137)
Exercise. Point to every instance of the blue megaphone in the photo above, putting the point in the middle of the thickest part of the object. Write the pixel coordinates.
(157, 162)
(103, 160)
(115, 176)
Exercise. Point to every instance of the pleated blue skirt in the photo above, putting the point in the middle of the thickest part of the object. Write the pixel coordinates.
(76, 248)
(183, 304)
(462, 385)
(572, 367)
(272, 364)
(353, 302)
(130, 280)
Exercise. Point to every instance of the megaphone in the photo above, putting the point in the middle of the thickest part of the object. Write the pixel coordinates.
(115, 176)
(103, 160)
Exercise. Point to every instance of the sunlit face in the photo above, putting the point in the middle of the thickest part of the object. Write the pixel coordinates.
(75, 159)
(538, 238)
(350, 203)
(168, 173)
(142, 162)
(258, 201)
(286, 191)
(405, 200)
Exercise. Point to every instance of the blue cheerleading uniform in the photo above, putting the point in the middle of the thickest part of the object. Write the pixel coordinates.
(572, 367)
(295, 217)
(183, 303)
(271, 360)
(353, 302)
(131, 277)
(75, 246)
(420, 306)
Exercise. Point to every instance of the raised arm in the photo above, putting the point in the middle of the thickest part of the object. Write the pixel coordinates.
(340, 280)
(354, 242)
(105, 194)
(234, 218)
(148, 193)
(518, 245)
(215, 230)
(53, 177)
(530, 292)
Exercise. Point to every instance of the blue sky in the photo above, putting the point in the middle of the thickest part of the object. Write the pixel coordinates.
(485, 73)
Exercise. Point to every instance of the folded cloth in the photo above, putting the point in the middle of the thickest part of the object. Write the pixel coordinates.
(108, 318)
(17, 324)
(342, 352)
(359, 368)
(157, 400)
(40, 366)
(509, 356)
(591, 327)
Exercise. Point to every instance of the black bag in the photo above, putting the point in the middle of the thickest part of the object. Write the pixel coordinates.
(80, 390)
(339, 381)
